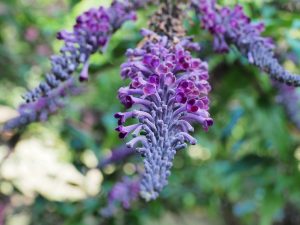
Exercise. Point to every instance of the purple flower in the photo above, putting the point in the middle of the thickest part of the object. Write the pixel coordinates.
(232, 26)
(90, 34)
(124, 193)
(168, 90)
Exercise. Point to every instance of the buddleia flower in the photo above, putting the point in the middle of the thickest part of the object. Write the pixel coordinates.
(234, 27)
(167, 93)
(90, 34)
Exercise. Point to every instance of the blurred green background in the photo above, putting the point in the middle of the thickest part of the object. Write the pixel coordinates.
(245, 170)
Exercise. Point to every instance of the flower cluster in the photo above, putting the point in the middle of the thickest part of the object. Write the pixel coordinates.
(228, 25)
(124, 192)
(232, 26)
(169, 91)
(90, 34)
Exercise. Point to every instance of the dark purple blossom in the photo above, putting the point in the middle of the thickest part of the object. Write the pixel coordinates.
(233, 26)
(123, 193)
(169, 91)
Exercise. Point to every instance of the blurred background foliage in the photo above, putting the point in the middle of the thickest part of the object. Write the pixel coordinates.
(245, 170)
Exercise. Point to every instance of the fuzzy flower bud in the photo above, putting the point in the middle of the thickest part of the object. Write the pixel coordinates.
(168, 92)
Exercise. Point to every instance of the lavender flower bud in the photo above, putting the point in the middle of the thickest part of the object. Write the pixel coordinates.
(169, 91)
(232, 26)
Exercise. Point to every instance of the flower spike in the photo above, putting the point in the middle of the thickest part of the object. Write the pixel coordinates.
(90, 34)
(232, 26)
(168, 90)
